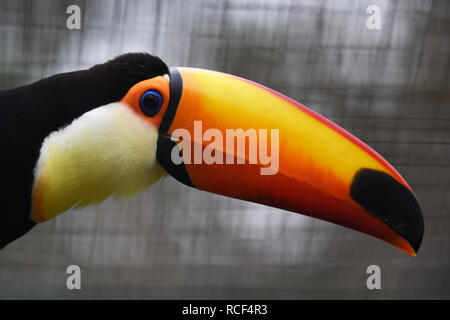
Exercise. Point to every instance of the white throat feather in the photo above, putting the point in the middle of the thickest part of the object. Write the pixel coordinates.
(107, 151)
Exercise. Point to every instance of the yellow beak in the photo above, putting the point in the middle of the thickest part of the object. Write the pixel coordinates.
(322, 170)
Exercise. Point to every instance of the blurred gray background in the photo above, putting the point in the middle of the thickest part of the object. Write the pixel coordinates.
(390, 87)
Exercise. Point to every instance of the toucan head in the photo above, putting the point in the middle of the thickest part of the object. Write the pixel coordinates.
(230, 136)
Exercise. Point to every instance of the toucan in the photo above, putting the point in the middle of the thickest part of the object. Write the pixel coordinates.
(75, 139)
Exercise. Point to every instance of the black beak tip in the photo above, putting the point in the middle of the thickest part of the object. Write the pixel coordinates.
(390, 201)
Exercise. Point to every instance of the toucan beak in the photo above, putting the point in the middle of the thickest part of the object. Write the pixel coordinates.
(293, 159)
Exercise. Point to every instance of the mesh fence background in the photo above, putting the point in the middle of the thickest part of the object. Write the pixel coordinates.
(389, 87)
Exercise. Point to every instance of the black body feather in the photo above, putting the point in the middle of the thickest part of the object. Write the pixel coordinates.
(30, 113)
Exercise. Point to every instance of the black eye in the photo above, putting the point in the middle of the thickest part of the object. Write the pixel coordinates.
(150, 103)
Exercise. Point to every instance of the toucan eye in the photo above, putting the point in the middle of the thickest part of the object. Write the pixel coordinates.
(150, 103)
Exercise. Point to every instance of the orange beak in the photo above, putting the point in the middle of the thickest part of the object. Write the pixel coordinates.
(242, 140)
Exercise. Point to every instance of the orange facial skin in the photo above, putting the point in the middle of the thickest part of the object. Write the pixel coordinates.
(133, 96)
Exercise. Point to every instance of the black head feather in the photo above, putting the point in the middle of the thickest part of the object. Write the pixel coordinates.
(125, 71)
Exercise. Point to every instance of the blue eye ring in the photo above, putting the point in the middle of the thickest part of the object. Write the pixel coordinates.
(150, 103)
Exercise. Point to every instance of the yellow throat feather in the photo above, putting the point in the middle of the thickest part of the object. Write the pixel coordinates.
(107, 151)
